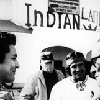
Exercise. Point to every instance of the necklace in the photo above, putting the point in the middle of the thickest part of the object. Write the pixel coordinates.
(80, 85)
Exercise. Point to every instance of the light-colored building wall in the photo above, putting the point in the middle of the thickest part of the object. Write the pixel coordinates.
(5, 9)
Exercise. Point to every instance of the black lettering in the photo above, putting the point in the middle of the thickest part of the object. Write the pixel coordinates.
(35, 18)
(75, 22)
(48, 24)
(67, 23)
(28, 22)
(90, 16)
(82, 17)
(59, 18)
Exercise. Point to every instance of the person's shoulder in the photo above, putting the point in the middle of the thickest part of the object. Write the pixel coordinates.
(35, 75)
(92, 81)
(60, 86)
(62, 83)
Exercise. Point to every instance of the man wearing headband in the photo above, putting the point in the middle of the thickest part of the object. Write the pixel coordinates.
(78, 86)
(40, 84)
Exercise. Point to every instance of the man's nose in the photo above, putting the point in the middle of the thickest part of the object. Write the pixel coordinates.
(17, 64)
(77, 68)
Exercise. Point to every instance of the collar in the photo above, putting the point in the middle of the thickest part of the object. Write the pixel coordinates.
(40, 76)
(80, 85)
(71, 78)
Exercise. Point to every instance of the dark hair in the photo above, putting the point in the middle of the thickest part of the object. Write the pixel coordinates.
(78, 56)
(6, 39)
(87, 66)
(74, 55)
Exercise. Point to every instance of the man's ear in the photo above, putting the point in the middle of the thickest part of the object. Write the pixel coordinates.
(40, 65)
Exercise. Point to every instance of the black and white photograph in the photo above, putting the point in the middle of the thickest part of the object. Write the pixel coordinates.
(49, 50)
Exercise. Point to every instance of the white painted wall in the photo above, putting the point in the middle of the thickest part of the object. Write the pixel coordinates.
(29, 46)
(5, 9)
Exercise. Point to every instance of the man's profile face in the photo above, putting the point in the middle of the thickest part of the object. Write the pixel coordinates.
(78, 70)
(8, 67)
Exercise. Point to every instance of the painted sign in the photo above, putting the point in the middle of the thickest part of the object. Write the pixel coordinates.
(64, 6)
(58, 14)
(54, 19)
(91, 21)
(90, 16)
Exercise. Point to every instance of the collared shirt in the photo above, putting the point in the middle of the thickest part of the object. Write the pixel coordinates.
(67, 90)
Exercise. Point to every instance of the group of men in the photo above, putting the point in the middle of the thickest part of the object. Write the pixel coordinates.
(49, 83)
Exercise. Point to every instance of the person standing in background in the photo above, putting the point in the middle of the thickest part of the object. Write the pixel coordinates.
(39, 85)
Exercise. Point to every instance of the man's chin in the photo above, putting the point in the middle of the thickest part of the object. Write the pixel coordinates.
(10, 80)
(78, 77)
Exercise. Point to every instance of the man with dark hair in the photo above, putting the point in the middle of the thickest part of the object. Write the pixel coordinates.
(8, 62)
(39, 85)
(78, 86)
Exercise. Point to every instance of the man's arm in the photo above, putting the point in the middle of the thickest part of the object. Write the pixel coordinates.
(28, 91)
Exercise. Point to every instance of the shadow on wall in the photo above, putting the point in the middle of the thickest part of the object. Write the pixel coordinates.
(59, 53)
